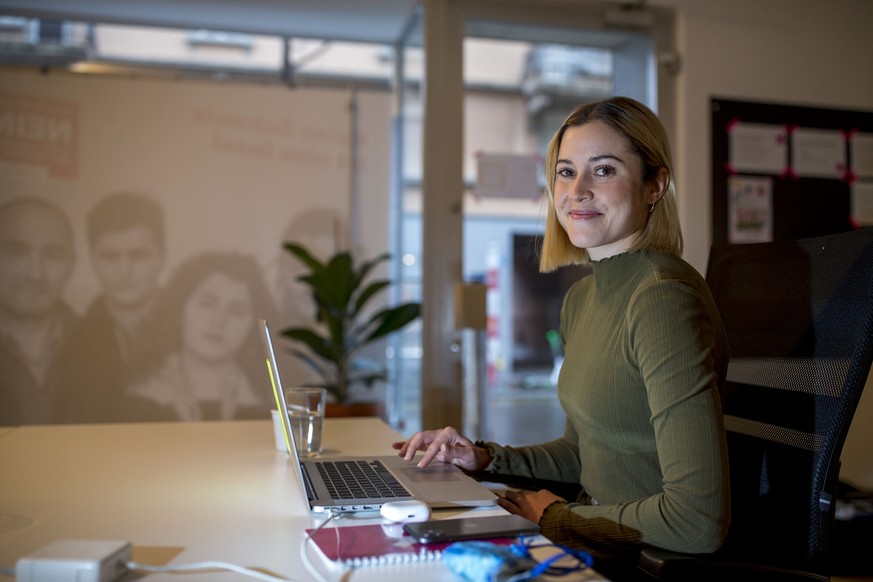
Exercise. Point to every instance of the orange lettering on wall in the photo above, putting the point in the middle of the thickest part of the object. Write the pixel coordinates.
(40, 131)
(239, 147)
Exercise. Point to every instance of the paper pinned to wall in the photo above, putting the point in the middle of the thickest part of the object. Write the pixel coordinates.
(862, 203)
(750, 209)
(757, 147)
(861, 148)
(507, 176)
(818, 153)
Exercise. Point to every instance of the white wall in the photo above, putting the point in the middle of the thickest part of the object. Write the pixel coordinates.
(798, 53)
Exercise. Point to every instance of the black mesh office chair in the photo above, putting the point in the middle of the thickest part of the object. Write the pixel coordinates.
(799, 318)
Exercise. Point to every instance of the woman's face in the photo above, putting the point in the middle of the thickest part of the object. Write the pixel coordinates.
(600, 198)
(217, 318)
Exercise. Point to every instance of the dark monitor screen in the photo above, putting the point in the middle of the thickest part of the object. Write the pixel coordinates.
(536, 304)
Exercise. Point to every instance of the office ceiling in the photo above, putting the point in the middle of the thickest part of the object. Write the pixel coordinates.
(382, 21)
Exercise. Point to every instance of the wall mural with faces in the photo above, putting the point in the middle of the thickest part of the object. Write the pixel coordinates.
(141, 225)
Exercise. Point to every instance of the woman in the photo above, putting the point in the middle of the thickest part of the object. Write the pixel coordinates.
(645, 356)
(207, 363)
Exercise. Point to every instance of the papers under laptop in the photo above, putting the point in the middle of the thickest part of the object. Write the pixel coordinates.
(391, 478)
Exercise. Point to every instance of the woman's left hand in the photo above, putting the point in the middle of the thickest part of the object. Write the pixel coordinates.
(529, 504)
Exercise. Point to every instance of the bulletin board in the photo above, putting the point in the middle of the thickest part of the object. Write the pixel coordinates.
(781, 172)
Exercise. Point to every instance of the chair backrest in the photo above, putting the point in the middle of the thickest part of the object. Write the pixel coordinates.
(799, 319)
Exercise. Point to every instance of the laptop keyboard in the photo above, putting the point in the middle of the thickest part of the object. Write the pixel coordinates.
(359, 480)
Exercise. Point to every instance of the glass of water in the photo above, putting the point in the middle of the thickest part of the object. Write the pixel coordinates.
(306, 413)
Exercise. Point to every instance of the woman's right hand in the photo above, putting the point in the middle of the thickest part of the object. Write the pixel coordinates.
(446, 446)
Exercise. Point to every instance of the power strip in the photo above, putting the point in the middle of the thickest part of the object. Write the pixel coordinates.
(75, 561)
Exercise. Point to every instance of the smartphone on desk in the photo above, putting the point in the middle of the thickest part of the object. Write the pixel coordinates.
(450, 530)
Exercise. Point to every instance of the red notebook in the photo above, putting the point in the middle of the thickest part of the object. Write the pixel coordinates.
(365, 545)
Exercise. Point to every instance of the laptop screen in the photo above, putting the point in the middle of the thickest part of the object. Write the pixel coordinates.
(278, 392)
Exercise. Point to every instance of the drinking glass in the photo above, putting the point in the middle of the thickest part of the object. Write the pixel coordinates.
(306, 413)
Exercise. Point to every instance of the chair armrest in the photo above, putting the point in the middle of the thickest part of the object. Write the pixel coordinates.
(679, 567)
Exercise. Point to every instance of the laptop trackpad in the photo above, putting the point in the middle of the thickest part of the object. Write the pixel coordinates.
(433, 473)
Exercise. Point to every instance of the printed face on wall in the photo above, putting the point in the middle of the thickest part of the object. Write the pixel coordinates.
(217, 318)
(128, 264)
(36, 259)
(600, 197)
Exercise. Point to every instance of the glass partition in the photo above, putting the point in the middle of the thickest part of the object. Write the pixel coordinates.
(520, 81)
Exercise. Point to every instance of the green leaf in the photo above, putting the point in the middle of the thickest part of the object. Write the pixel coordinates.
(371, 290)
(304, 255)
(368, 266)
(391, 320)
(369, 379)
(312, 340)
(337, 283)
(316, 365)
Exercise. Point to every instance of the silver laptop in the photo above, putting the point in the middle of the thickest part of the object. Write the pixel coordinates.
(390, 477)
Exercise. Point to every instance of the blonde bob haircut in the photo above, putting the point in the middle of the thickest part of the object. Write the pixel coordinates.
(648, 139)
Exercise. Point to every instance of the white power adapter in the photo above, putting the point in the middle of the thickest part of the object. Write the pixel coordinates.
(75, 561)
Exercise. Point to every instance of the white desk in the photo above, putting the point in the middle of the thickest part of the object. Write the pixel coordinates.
(180, 493)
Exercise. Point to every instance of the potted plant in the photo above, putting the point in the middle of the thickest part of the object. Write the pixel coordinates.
(342, 294)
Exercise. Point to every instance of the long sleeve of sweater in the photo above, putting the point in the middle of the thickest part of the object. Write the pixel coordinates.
(645, 357)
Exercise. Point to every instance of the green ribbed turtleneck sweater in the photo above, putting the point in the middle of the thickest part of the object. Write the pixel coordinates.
(645, 361)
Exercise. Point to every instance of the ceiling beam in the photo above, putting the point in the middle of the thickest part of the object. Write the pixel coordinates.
(377, 21)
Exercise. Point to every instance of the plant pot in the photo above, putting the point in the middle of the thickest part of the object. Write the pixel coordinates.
(353, 409)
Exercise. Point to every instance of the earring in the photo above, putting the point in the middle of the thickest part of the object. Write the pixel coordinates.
(651, 207)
